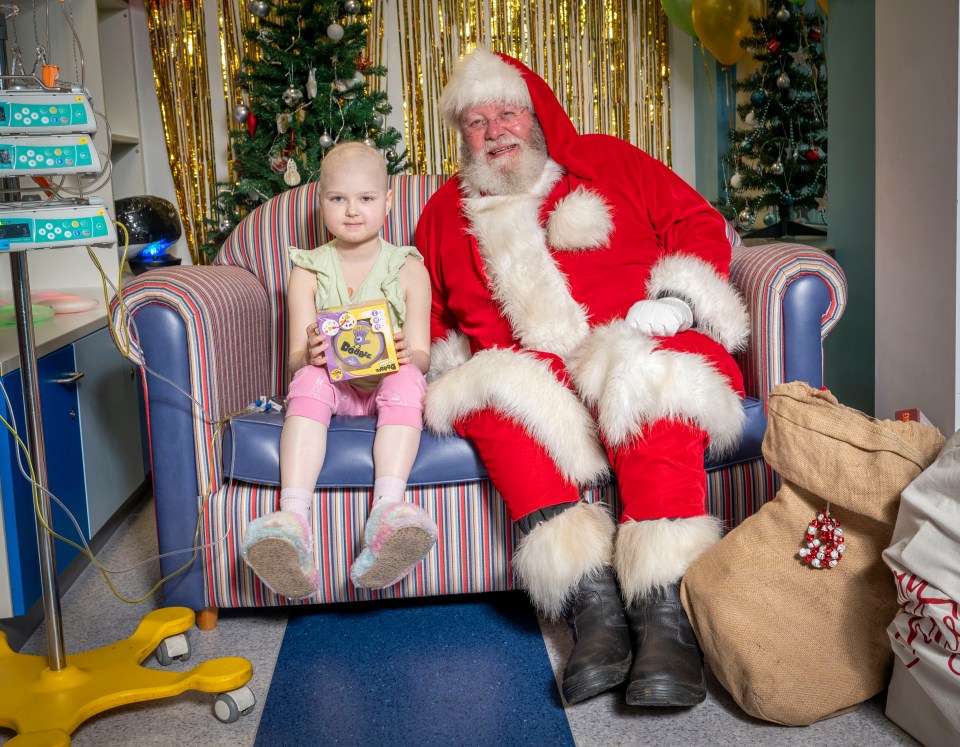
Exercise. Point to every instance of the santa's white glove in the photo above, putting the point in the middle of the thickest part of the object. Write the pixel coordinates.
(663, 317)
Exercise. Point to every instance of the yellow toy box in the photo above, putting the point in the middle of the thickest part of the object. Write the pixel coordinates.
(361, 340)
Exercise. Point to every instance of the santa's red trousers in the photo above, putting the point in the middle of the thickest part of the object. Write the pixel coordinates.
(660, 472)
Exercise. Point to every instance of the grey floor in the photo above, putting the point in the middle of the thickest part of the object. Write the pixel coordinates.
(93, 617)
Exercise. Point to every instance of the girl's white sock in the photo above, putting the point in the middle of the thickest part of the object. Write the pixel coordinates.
(297, 501)
(389, 489)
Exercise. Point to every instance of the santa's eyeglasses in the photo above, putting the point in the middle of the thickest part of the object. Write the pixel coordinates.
(507, 118)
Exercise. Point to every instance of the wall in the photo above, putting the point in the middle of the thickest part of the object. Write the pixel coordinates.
(916, 207)
(850, 348)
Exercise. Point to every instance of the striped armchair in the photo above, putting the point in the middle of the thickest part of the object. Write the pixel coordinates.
(212, 342)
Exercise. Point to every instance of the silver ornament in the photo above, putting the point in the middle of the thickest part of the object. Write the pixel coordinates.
(370, 142)
(352, 7)
(335, 31)
(259, 8)
(783, 15)
(746, 217)
(377, 119)
(382, 106)
(292, 96)
(291, 176)
(769, 219)
(783, 81)
(736, 181)
(312, 83)
(356, 80)
(225, 225)
(391, 154)
(241, 112)
(325, 140)
(776, 168)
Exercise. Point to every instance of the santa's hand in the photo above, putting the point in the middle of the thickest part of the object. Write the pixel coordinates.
(663, 317)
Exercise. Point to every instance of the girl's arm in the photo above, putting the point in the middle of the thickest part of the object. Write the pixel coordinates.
(305, 343)
(414, 340)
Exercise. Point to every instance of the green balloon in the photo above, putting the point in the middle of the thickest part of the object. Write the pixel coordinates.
(681, 13)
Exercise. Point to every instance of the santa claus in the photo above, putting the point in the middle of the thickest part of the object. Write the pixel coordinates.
(583, 321)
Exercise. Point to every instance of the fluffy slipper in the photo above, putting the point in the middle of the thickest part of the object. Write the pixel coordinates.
(279, 549)
(397, 537)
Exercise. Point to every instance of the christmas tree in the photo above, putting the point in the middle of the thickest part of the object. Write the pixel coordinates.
(305, 90)
(777, 161)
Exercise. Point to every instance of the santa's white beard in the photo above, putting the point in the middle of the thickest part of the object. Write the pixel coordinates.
(514, 176)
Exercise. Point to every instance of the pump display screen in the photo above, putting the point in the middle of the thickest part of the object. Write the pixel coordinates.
(14, 230)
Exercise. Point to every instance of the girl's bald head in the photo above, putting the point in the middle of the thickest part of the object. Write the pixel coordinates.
(355, 157)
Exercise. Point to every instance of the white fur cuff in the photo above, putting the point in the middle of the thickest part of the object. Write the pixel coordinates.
(650, 554)
(551, 561)
(718, 310)
(631, 383)
(524, 389)
(447, 354)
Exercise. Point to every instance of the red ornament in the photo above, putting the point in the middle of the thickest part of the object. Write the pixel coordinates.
(813, 156)
(825, 542)
(363, 63)
(773, 45)
(252, 124)
(816, 34)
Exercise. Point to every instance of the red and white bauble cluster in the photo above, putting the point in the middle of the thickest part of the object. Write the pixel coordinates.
(825, 542)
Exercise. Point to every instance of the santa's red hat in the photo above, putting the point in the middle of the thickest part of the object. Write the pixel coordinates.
(484, 77)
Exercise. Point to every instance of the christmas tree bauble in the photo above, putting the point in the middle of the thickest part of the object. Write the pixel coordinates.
(325, 140)
(776, 169)
(746, 217)
(352, 7)
(736, 181)
(241, 112)
(758, 98)
(783, 15)
(357, 79)
(370, 142)
(225, 225)
(292, 96)
(770, 218)
(335, 31)
(377, 119)
(391, 154)
(783, 81)
(259, 8)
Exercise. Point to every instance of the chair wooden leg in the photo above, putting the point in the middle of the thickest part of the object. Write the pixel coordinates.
(207, 618)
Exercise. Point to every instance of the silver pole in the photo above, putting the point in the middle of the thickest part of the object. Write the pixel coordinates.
(50, 588)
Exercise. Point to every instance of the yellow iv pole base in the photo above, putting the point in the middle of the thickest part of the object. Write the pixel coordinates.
(45, 706)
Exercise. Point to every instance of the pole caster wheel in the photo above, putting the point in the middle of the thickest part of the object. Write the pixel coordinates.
(228, 707)
(174, 647)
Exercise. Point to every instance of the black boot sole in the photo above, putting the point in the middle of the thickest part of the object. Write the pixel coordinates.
(664, 694)
(596, 681)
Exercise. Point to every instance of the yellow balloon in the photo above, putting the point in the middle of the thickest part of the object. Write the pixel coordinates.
(721, 24)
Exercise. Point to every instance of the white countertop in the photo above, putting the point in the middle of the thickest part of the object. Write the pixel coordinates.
(52, 334)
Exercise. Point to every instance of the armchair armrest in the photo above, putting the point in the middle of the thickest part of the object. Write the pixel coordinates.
(201, 336)
(795, 295)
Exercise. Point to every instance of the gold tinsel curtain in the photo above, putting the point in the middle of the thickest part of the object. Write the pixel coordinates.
(178, 44)
(607, 62)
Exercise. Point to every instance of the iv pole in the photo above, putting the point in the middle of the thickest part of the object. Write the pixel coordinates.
(44, 699)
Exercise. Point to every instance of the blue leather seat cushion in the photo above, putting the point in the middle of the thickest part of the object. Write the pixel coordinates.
(251, 451)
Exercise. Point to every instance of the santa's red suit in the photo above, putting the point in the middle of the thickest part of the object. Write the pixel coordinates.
(534, 361)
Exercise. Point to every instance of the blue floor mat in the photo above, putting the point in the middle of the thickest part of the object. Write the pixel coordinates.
(467, 670)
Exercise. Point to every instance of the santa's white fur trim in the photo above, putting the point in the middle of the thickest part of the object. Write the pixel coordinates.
(718, 310)
(557, 555)
(479, 78)
(448, 353)
(630, 382)
(528, 287)
(525, 390)
(581, 220)
(656, 553)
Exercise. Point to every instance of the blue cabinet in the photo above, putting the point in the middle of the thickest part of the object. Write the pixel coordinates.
(61, 433)
(92, 435)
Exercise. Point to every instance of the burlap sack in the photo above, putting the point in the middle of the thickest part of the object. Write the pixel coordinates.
(791, 643)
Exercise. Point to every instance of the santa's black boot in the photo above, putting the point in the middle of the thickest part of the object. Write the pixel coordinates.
(668, 665)
(601, 653)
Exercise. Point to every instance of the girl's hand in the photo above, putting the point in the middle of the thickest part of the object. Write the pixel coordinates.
(403, 348)
(317, 345)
